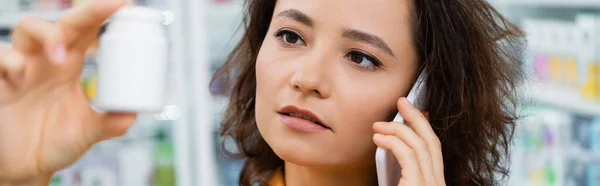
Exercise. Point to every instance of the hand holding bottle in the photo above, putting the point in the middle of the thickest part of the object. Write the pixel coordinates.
(46, 122)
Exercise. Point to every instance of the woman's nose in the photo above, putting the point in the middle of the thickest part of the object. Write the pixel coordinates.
(310, 77)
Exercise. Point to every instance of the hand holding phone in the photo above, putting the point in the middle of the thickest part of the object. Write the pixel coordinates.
(388, 169)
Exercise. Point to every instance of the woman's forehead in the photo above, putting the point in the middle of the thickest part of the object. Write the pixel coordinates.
(352, 11)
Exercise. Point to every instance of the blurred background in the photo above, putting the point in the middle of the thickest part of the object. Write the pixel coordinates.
(557, 142)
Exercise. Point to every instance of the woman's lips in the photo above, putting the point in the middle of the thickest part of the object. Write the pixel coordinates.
(300, 119)
(301, 124)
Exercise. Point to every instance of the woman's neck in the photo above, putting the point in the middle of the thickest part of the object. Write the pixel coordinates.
(296, 175)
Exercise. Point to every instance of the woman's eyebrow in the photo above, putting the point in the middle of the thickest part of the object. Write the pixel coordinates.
(296, 15)
(352, 34)
(371, 39)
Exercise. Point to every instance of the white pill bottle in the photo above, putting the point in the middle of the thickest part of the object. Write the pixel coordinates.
(132, 62)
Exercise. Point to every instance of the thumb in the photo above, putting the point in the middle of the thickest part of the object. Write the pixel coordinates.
(117, 124)
(108, 125)
(102, 126)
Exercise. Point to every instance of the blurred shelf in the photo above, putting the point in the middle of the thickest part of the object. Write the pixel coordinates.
(8, 20)
(564, 99)
(593, 4)
(219, 106)
(225, 29)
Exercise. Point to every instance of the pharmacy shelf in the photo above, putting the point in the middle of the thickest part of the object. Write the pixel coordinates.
(588, 4)
(8, 20)
(565, 99)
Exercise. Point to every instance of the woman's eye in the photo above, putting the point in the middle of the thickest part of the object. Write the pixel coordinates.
(363, 60)
(289, 37)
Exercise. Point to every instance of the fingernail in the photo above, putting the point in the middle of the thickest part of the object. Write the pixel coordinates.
(406, 102)
(380, 123)
(59, 53)
(377, 135)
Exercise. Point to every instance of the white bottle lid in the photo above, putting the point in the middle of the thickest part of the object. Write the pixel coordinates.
(140, 14)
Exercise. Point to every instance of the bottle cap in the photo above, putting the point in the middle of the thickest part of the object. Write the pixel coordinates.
(139, 13)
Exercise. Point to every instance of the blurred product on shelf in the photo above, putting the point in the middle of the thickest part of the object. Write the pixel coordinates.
(26, 5)
(89, 86)
(98, 167)
(52, 5)
(164, 165)
(135, 162)
(593, 173)
(553, 148)
(9, 6)
(150, 3)
(100, 170)
(595, 136)
(566, 55)
(144, 161)
(90, 72)
(40, 6)
(4, 35)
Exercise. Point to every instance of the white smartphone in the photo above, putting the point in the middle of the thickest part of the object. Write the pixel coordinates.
(388, 169)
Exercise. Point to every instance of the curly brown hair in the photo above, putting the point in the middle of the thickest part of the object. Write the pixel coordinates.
(473, 66)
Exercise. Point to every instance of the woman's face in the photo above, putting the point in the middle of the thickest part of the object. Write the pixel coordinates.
(346, 62)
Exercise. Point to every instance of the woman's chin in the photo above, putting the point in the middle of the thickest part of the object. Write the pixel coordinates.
(322, 150)
(302, 154)
(312, 155)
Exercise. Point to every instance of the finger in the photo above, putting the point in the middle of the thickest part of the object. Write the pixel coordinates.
(411, 173)
(12, 67)
(87, 18)
(10, 61)
(410, 138)
(421, 126)
(32, 34)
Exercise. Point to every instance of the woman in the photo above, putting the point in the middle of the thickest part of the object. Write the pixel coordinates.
(314, 85)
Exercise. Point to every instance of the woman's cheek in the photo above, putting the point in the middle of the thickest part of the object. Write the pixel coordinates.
(365, 108)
